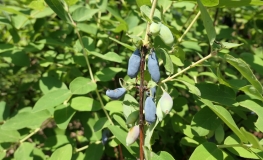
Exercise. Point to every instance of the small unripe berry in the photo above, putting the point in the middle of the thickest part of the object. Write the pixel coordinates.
(133, 134)
(166, 35)
(155, 28)
(166, 103)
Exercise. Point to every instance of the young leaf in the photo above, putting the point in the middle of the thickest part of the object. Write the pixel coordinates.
(208, 23)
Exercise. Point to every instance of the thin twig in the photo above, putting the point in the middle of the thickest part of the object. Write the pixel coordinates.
(189, 67)
(144, 50)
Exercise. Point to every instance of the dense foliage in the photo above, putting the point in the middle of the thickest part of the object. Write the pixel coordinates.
(59, 58)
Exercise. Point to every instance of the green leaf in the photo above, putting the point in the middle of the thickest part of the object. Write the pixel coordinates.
(204, 121)
(81, 85)
(207, 151)
(60, 8)
(149, 133)
(147, 10)
(177, 61)
(143, 2)
(219, 134)
(165, 155)
(251, 91)
(62, 115)
(234, 3)
(94, 152)
(4, 111)
(110, 56)
(114, 106)
(101, 123)
(208, 23)
(85, 104)
(37, 5)
(54, 142)
(24, 151)
(121, 136)
(256, 108)
(129, 105)
(228, 45)
(83, 14)
(2, 153)
(210, 3)
(120, 121)
(64, 153)
(9, 136)
(217, 93)
(26, 119)
(107, 74)
(192, 89)
(124, 44)
(244, 69)
(225, 116)
(48, 84)
(88, 28)
(239, 151)
(52, 99)
(167, 62)
(254, 61)
(251, 139)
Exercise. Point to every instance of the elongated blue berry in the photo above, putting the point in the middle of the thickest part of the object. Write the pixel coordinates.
(105, 134)
(134, 64)
(151, 92)
(116, 93)
(133, 134)
(153, 67)
(149, 110)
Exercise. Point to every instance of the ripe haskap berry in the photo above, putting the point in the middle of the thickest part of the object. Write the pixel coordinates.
(166, 103)
(149, 110)
(132, 117)
(166, 35)
(134, 64)
(105, 134)
(155, 28)
(116, 93)
(153, 67)
(133, 134)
